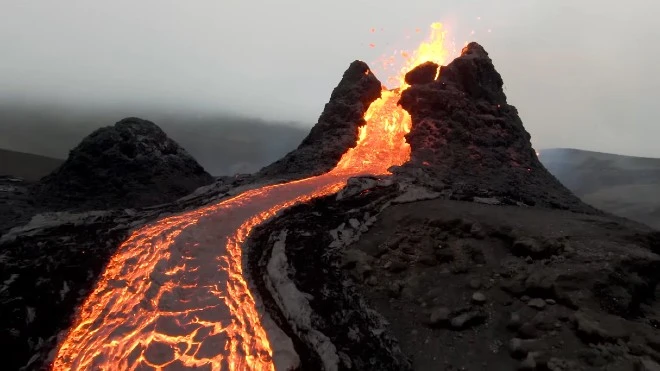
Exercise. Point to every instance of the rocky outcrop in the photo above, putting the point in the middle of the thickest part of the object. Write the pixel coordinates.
(467, 141)
(131, 164)
(336, 130)
(422, 74)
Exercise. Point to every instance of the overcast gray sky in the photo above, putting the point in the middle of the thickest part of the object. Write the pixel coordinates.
(582, 73)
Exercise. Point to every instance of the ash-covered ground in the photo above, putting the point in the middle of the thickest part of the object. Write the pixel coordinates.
(402, 283)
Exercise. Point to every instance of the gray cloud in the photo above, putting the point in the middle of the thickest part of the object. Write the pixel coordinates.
(581, 73)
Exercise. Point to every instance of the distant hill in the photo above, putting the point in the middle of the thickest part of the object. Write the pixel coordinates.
(623, 185)
(25, 165)
(224, 144)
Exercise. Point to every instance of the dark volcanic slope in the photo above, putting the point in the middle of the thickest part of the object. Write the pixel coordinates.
(467, 286)
(131, 164)
(336, 130)
(479, 287)
(467, 141)
(26, 165)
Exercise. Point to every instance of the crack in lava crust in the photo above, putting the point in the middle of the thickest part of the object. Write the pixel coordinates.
(174, 296)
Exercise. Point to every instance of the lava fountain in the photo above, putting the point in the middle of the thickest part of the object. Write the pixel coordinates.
(174, 296)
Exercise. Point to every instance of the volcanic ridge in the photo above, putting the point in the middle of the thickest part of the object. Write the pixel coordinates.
(336, 130)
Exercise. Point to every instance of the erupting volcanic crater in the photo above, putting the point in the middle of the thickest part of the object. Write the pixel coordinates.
(176, 295)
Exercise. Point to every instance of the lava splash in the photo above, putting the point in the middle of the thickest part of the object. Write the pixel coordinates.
(174, 295)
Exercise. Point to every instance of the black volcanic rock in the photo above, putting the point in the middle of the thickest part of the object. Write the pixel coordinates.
(467, 141)
(473, 72)
(130, 164)
(422, 74)
(336, 130)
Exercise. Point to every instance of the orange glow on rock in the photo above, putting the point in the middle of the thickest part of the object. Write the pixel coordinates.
(381, 141)
(173, 296)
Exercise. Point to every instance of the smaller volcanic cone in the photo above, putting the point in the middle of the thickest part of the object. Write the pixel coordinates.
(467, 141)
(131, 164)
(336, 130)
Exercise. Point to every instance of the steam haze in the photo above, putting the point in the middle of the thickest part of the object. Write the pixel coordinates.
(582, 74)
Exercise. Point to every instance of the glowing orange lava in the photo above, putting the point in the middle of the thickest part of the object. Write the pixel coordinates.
(174, 296)
(435, 49)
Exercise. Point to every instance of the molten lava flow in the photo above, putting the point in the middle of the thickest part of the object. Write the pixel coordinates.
(174, 295)
(161, 300)
(381, 141)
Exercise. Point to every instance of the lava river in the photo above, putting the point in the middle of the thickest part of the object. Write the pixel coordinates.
(174, 296)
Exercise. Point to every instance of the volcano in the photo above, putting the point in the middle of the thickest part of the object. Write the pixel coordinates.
(131, 164)
(468, 142)
(414, 228)
(470, 256)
